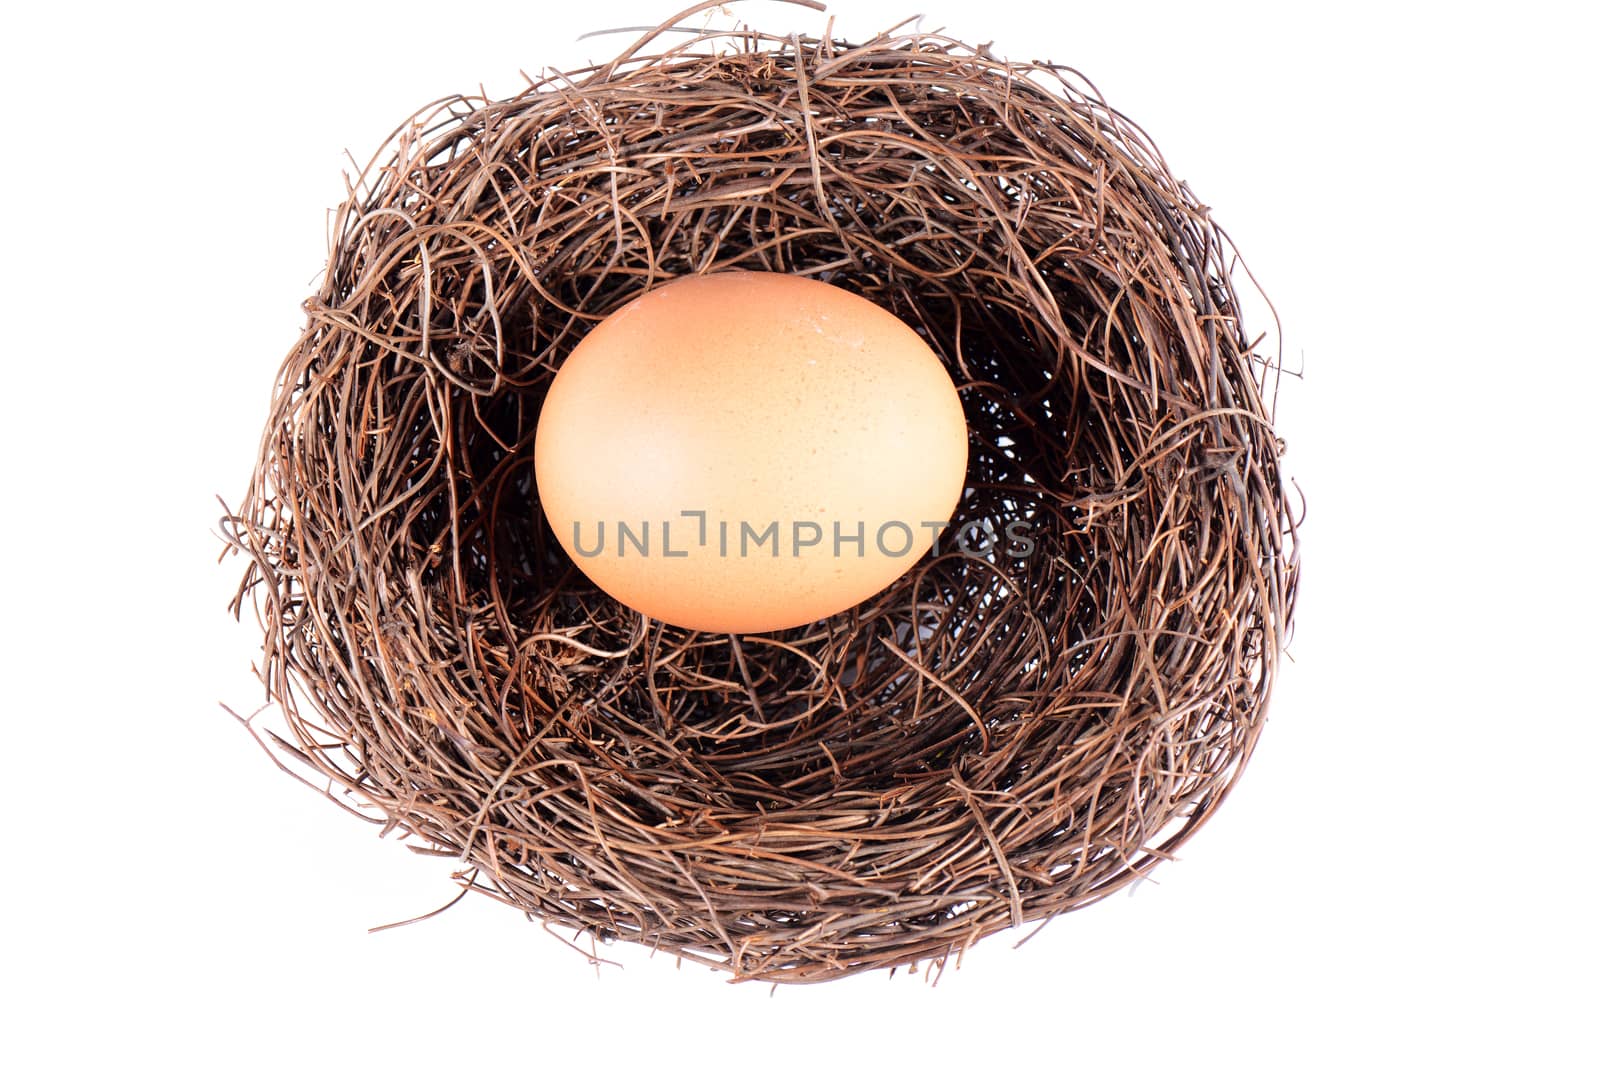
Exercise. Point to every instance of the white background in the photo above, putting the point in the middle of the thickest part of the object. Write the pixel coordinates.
(1405, 874)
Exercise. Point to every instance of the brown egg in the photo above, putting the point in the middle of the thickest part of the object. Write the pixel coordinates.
(744, 451)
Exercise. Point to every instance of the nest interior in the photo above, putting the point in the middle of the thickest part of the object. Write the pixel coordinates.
(992, 740)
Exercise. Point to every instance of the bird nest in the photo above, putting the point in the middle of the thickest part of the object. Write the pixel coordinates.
(994, 739)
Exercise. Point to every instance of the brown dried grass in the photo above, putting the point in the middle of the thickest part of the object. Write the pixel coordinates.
(988, 742)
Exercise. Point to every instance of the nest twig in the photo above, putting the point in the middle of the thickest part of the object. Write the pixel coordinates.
(991, 740)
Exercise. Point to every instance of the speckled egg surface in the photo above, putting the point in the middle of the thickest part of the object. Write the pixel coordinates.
(746, 451)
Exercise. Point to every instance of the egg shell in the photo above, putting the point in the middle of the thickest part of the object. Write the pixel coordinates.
(711, 407)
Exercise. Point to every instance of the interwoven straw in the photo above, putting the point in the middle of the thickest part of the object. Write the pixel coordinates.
(993, 739)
